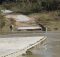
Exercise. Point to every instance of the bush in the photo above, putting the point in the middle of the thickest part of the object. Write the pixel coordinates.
(2, 21)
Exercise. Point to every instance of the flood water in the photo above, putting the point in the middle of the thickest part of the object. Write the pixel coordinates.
(50, 49)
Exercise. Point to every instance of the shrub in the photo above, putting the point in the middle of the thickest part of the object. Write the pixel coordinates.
(2, 21)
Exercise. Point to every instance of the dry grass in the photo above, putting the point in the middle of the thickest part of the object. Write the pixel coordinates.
(49, 19)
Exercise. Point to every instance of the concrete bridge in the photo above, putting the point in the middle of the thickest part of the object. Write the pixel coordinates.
(13, 46)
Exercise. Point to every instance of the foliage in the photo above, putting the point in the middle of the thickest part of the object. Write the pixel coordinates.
(32, 5)
(2, 21)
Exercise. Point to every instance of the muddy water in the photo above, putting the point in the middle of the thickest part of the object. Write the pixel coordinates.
(51, 49)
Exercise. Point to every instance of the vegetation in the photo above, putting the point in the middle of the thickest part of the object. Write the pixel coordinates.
(30, 6)
(45, 12)
(51, 19)
(2, 22)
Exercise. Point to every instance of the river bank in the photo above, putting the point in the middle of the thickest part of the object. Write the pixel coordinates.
(50, 20)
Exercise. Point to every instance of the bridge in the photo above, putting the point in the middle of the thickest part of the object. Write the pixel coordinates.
(16, 46)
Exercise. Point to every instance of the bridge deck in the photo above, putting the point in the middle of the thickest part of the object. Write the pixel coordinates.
(15, 46)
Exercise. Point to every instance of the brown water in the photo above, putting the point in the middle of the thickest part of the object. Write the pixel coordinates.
(51, 49)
